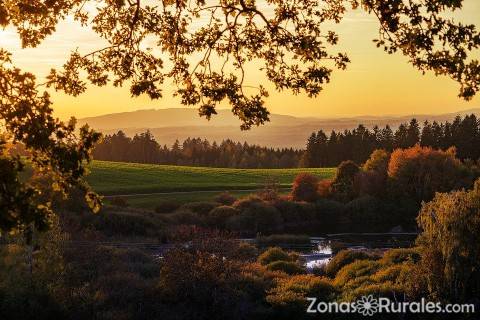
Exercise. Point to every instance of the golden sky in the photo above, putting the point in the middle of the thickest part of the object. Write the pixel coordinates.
(374, 83)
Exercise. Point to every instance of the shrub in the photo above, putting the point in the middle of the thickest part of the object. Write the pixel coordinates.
(256, 280)
(305, 187)
(270, 189)
(395, 256)
(346, 171)
(289, 296)
(371, 183)
(239, 223)
(258, 216)
(384, 290)
(288, 267)
(324, 188)
(344, 258)
(225, 198)
(247, 202)
(121, 223)
(295, 212)
(330, 214)
(167, 206)
(356, 273)
(201, 208)
(182, 216)
(266, 218)
(288, 209)
(245, 251)
(200, 284)
(273, 254)
(392, 273)
(218, 217)
(118, 292)
(368, 213)
(306, 211)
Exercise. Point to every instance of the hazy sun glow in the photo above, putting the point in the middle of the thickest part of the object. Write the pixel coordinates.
(375, 83)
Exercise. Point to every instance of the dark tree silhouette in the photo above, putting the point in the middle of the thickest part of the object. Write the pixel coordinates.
(143, 148)
(358, 144)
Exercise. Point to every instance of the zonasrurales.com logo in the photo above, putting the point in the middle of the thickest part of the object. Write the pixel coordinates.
(370, 305)
(367, 305)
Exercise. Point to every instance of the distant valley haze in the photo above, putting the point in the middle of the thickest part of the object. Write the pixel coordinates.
(168, 125)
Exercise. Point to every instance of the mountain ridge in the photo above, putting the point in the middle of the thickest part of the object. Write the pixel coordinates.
(168, 125)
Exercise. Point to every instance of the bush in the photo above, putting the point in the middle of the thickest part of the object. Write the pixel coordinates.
(289, 210)
(295, 214)
(324, 188)
(305, 187)
(392, 273)
(346, 171)
(240, 223)
(219, 216)
(288, 267)
(289, 296)
(372, 183)
(344, 258)
(384, 290)
(225, 198)
(246, 251)
(330, 214)
(187, 217)
(266, 218)
(121, 223)
(257, 216)
(395, 256)
(247, 202)
(200, 208)
(356, 273)
(199, 284)
(167, 206)
(368, 213)
(272, 255)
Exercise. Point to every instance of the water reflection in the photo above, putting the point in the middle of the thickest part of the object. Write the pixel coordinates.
(324, 249)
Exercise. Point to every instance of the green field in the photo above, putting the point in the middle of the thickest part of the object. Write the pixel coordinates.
(117, 178)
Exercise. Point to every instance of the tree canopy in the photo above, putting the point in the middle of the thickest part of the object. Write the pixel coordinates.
(203, 47)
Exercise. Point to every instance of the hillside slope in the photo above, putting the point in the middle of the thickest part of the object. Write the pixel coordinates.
(167, 125)
(110, 178)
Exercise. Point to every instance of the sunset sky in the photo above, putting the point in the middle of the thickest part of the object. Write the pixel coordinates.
(374, 83)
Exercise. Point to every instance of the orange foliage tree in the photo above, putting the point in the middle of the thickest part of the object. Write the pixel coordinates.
(305, 187)
(419, 172)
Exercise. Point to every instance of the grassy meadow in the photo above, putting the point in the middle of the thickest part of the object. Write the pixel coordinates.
(115, 178)
(118, 178)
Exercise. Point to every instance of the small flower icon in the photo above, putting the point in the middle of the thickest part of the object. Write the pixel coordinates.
(367, 305)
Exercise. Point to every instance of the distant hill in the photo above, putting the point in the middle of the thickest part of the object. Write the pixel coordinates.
(167, 125)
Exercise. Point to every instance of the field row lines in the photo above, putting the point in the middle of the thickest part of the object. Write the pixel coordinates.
(183, 192)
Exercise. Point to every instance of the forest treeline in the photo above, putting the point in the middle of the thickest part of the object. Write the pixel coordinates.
(321, 150)
(358, 144)
(143, 148)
